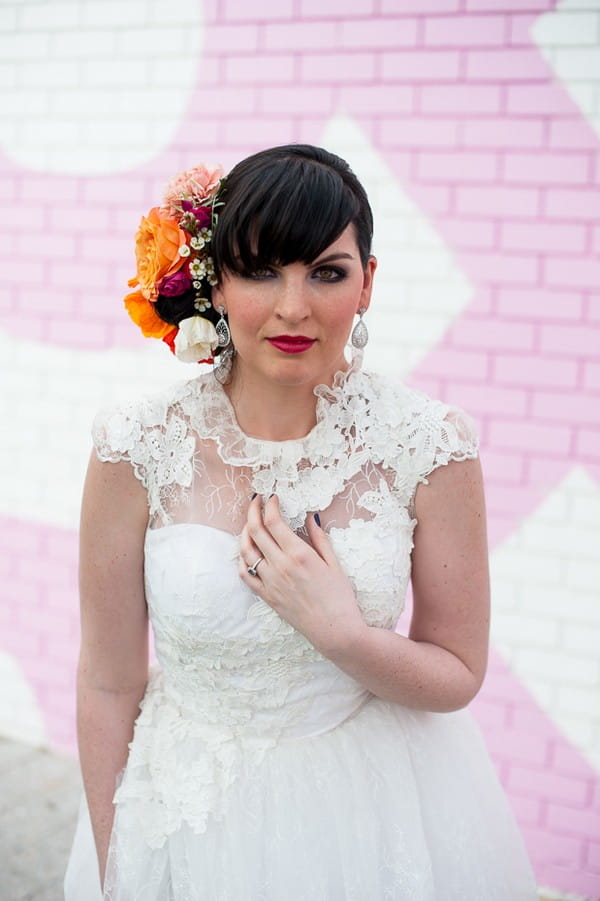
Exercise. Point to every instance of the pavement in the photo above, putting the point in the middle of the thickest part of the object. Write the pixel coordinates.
(39, 798)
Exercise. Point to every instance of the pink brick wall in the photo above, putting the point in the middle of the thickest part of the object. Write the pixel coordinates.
(483, 137)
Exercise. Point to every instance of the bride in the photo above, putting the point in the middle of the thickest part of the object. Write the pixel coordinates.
(266, 519)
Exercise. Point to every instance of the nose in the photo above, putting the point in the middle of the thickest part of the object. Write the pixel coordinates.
(292, 301)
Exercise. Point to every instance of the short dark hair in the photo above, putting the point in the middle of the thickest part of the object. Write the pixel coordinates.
(282, 205)
(287, 204)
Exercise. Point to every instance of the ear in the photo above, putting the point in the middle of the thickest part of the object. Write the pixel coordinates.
(216, 298)
(367, 288)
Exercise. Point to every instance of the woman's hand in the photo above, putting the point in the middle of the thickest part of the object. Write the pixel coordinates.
(303, 582)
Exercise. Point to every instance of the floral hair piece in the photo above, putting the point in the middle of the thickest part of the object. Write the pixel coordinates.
(172, 248)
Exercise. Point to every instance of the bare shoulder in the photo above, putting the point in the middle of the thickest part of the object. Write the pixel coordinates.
(455, 489)
(113, 489)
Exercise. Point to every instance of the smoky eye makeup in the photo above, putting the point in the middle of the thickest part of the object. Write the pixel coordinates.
(328, 273)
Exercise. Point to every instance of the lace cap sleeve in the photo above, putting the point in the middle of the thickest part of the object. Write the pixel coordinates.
(154, 436)
(118, 435)
(438, 434)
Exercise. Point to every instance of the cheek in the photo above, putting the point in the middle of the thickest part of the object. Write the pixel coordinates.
(338, 316)
(246, 314)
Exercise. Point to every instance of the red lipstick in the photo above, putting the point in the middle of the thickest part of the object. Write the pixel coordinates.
(291, 344)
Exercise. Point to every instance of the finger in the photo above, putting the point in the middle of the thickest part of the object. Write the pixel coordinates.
(320, 540)
(248, 550)
(277, 527)
(259, 531)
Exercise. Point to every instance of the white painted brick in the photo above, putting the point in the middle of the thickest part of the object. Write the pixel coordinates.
(113, 133)
(505, 598)
(421, 295)
(166, 42)
(544, 693)
(581, 729)
(50, 16)
(583, 574)
(568, 28)
(84, 44)
(50, 74)
(8, 18)
(142, 102)
(103, 74)
(583, 63)
(583, 639)
(19, 46)
(541, 569)
(549, 599)
(567, 540)
(529, 631)
(165, 72)
(584, 701)
(543, 663)
(8, 78)
(585, 510)
(161, 13)
(583, 4)
(77, 104)
(24, 104)
(116, 14)
(61, 132)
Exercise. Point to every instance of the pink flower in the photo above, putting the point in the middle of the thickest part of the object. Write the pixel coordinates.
(175, 284)
(194, 185)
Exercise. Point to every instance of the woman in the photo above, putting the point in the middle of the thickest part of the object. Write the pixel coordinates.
(291, 745)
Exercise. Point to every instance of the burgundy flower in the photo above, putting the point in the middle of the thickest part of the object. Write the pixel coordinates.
(175, 284)
(202, 214)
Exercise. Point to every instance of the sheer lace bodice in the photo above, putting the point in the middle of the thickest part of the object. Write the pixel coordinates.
(234, 679)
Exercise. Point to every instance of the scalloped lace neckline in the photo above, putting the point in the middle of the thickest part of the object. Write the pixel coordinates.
(215, 418)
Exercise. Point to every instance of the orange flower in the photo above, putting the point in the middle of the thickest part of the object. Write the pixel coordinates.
(157, 244)
(143, 314)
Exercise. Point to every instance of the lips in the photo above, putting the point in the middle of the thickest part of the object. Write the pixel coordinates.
(291, 344)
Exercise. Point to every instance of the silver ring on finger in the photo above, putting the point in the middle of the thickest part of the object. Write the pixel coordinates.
(252, 569)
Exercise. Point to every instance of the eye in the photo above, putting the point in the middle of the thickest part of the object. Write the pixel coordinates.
(259, 274)
(329, 274)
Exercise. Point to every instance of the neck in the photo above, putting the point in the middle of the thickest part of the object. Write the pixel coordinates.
(272, 411)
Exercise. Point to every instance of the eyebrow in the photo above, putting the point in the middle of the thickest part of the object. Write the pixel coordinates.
(334, 256)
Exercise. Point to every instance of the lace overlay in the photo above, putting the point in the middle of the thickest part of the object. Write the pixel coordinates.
(197, 465)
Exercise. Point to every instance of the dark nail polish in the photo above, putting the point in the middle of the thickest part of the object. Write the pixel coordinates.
(253, 496)
(318, 520)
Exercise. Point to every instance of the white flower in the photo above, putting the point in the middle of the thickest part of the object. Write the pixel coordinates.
(184, 251)
(195, 340)
(202, 304)
(197, 269)
(197, 243)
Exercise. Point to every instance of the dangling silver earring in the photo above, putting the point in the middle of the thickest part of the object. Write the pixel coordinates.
(222, 368)
(360, 335)
(222, 330)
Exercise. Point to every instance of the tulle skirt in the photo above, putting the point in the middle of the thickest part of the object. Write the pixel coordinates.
(391, 804)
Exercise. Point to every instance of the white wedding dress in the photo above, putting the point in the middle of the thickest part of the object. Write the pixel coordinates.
(258, 770)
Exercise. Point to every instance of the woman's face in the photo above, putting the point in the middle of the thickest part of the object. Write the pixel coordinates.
(290, 324)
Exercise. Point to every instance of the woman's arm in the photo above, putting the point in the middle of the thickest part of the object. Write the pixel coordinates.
(113, 663)
(442, 663)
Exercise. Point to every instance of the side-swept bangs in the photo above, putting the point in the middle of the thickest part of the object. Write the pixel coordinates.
(283, 206)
